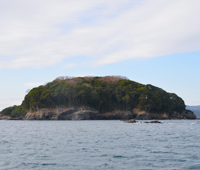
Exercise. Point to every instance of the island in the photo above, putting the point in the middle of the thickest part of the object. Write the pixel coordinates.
(98, 98)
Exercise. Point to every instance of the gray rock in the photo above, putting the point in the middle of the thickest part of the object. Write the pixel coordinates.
(155, 121)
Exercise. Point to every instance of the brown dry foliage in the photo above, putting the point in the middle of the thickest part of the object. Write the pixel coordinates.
(75, 80)
(111, 79)
(71, 82)
(88, 78)
(62, 78)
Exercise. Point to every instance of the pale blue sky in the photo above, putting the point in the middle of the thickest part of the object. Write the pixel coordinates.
(149, 41)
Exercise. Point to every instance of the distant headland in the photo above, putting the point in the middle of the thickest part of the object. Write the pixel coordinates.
(98, 98)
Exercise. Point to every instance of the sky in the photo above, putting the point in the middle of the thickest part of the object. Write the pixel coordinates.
(148, 41)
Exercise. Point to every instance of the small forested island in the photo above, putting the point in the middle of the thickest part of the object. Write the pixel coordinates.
(98, 98)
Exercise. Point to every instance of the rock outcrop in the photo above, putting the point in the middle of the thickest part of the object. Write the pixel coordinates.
(145, 115)
(62, 114)
(5, 118)
(131, 121)
(155, 121)
(86, 113)
(75, 113)
(186, 114)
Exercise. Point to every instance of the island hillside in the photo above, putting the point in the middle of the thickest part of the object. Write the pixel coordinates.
(88, 98)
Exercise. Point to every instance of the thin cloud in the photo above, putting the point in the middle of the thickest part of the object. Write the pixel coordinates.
(7, 102)
(32, 84)
(43, 33)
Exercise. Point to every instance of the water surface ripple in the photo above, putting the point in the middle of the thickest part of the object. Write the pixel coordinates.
(60, 145)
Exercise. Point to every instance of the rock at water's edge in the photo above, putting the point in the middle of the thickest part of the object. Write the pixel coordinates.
(155, 121)
(131, 121)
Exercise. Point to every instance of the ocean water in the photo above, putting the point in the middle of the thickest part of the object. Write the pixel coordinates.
(99, 145)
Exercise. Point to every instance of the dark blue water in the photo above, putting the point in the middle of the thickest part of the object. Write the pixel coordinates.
(97, 145)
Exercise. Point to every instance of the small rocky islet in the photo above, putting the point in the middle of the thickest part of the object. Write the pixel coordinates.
(98, 98)
(134, 121)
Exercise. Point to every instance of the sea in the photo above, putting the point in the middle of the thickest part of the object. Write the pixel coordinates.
(99, 145)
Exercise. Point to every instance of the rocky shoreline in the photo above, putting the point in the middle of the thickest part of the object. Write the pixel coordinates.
(86, 113)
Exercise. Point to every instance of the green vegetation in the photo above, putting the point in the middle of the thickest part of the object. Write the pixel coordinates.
(101, 93)
(14, 112)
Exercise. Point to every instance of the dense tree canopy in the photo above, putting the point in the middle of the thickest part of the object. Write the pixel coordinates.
(101, 93)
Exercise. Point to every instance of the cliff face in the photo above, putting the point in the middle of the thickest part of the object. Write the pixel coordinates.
(78, 113)
(144, 115)
(63, 114)
(86, 113)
